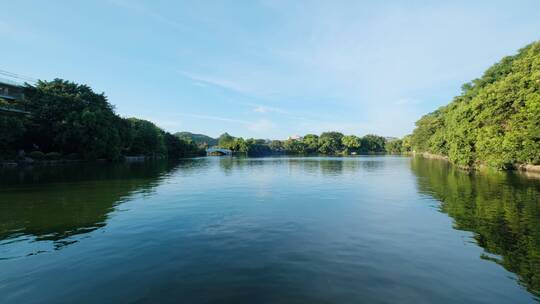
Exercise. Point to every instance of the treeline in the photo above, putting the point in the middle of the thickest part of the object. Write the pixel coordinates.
(68, 120)
(200, 139)
(328, 143)
(495, 121)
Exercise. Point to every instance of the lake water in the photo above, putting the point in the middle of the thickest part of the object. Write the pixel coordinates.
(369, 229)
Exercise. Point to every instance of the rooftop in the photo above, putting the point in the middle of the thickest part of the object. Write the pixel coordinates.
(10, 82)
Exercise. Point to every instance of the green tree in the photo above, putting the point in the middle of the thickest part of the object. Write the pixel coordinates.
(330, 143)
(239, 145)
(258, 147)
(147, 139)
(311, 142)
(351, 143)
(394, 146)
(177, 148)
(71, 118)
(294, 146)
(406, 144)
(12, 131)
(372, 143)
(225, 141)
(276, 145)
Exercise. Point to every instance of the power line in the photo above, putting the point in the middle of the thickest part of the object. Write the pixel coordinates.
(18, 76)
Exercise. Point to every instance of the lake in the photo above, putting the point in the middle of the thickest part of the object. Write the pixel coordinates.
(367, 229)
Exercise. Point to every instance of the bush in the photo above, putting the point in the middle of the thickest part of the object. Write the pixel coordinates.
(53, 156)
(37, 155)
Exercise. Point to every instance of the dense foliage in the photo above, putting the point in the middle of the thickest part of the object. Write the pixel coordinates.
(328, 143)
(199, 139)
(11, 133)
(496, 119)
(71, 119)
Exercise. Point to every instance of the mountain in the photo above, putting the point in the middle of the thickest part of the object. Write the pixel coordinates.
(199, 139)
(494, 122)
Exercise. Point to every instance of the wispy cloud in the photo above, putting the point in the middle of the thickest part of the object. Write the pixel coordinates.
(221, 82)
(266, 109)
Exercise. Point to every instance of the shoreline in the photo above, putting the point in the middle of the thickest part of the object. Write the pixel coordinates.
(525, 168)
(59, 162)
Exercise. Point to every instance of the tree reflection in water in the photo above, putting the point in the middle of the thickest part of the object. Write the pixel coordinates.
(56, 204)
(501, 209)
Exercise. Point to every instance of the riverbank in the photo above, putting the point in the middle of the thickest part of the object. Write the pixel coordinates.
(529, 168)
(42, 162)
(532, 169)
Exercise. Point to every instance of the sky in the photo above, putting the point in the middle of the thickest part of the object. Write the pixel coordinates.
(267, 68)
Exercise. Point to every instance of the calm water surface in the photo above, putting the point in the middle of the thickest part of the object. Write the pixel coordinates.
(268, 230)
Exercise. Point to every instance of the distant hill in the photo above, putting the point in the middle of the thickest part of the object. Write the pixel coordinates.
(199, 139)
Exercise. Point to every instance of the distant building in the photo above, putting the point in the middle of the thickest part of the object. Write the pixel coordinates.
(295, 137)
(10, 90)
(10, 93)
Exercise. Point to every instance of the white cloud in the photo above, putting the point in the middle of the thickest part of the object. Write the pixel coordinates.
(224, 83)
(267, 109)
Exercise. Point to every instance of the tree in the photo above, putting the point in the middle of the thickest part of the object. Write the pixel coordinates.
(276, 145)
(330, 143)
(12, 131)
(147, 139)
(258, 147)
(225, 141)
(311, 142)
(71, 118)
(239, 145)
(372, 143)
(294, 146)
(351, 143)
(394, 146)
(177, 148)
(406, 144)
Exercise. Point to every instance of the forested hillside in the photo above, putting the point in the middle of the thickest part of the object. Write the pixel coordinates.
(495, 121)
(69, 120)
(199, 139)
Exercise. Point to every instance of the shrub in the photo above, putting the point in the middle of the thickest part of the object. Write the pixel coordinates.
(37, 155)
(53, 156)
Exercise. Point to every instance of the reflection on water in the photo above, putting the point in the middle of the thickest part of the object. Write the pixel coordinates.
(501, 209)
(310, 165)
(266, 230)
(59, 202)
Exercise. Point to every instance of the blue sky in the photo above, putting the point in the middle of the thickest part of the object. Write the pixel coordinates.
(267, 69)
